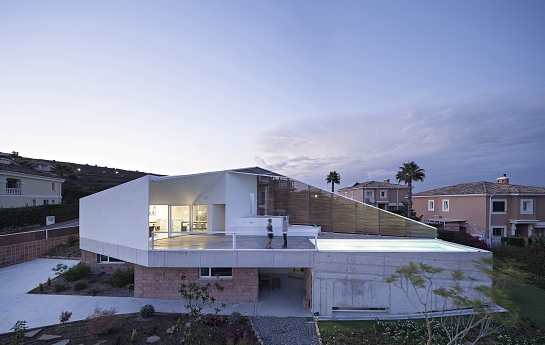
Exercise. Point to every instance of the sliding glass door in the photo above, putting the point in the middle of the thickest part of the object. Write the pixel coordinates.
(180, 217)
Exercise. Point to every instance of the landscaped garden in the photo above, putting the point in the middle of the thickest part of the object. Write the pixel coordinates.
(105, 326)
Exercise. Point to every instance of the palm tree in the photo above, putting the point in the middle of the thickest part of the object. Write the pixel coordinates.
(333, 178)
(408, 173)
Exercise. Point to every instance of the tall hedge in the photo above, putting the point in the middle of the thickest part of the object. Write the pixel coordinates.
(532, 257)
(32, 215)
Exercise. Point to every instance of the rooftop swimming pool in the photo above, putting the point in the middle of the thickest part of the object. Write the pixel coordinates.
(392, 245)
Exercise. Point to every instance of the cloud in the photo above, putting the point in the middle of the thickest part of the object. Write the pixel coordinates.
(478, 138)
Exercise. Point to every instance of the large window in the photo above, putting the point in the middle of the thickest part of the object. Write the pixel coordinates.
(499, 206)
(212, 272)
(526, 206)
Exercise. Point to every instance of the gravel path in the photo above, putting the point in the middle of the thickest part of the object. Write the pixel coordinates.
(285, 330)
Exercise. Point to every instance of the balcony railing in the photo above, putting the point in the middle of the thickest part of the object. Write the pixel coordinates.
(13, 191)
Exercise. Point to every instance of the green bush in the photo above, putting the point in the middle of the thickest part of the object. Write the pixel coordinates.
(77, 272)
(147, 311)
(32, 215)
(79, 285)
(532, 257)
(72, 239)
(122, 278)
(60, 287)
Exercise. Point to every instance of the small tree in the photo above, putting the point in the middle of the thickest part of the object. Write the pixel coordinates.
(19, 328)
(416, 279)
(196, 298)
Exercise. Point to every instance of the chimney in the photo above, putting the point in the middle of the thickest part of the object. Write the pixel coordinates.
(503, 180)
(387, 181)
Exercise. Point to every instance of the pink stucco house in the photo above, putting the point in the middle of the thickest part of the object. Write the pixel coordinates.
(384, 195)
(488, 209)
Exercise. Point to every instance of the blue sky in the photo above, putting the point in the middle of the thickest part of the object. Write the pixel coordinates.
(299, 87)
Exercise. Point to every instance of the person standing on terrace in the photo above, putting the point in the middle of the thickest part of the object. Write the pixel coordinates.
(285, 226)
(270, 234)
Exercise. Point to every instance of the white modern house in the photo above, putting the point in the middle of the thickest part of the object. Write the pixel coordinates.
(213, 225)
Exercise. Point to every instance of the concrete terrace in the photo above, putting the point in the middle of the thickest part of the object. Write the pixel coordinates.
(229, 242)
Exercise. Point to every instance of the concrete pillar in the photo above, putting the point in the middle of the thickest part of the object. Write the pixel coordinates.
(513, 229)
(530, 229)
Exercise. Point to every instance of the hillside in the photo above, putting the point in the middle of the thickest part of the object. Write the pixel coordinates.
(81, 179)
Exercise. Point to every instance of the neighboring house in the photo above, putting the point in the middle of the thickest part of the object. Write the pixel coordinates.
(384, 195)
(213, 226)
(27, 187)
(488, 209)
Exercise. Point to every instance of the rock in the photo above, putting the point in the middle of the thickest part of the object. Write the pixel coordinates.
(152, 339)
(171, 329)
(63, 342)
(49, 337)
(32, 333)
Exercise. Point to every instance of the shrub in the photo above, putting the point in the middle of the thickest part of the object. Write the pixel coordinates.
(532, 257)
(130, 287)
(72, 239)
(147, 311)
(104, 321)
(40, 287)
(79, 285)
(122, 278)
(65, 316)
(60, 269)
(77, 272)
(48, 281)
(60, 287)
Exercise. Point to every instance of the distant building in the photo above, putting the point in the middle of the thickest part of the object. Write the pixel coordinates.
(488, 209)
(21, 187)
(384, 195)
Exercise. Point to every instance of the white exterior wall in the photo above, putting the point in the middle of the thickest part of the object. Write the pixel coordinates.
(356, 280)
(116, 217)
(239, 187)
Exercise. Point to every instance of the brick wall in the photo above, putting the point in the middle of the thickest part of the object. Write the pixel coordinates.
(92, 260)
(164, 283)
(21, 252)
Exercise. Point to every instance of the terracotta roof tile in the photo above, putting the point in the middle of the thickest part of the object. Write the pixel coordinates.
(483, 187)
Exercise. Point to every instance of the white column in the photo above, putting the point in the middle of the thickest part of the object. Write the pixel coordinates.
(513, 229)
(530, 229)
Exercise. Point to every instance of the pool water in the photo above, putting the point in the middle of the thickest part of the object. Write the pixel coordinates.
(391, 245)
